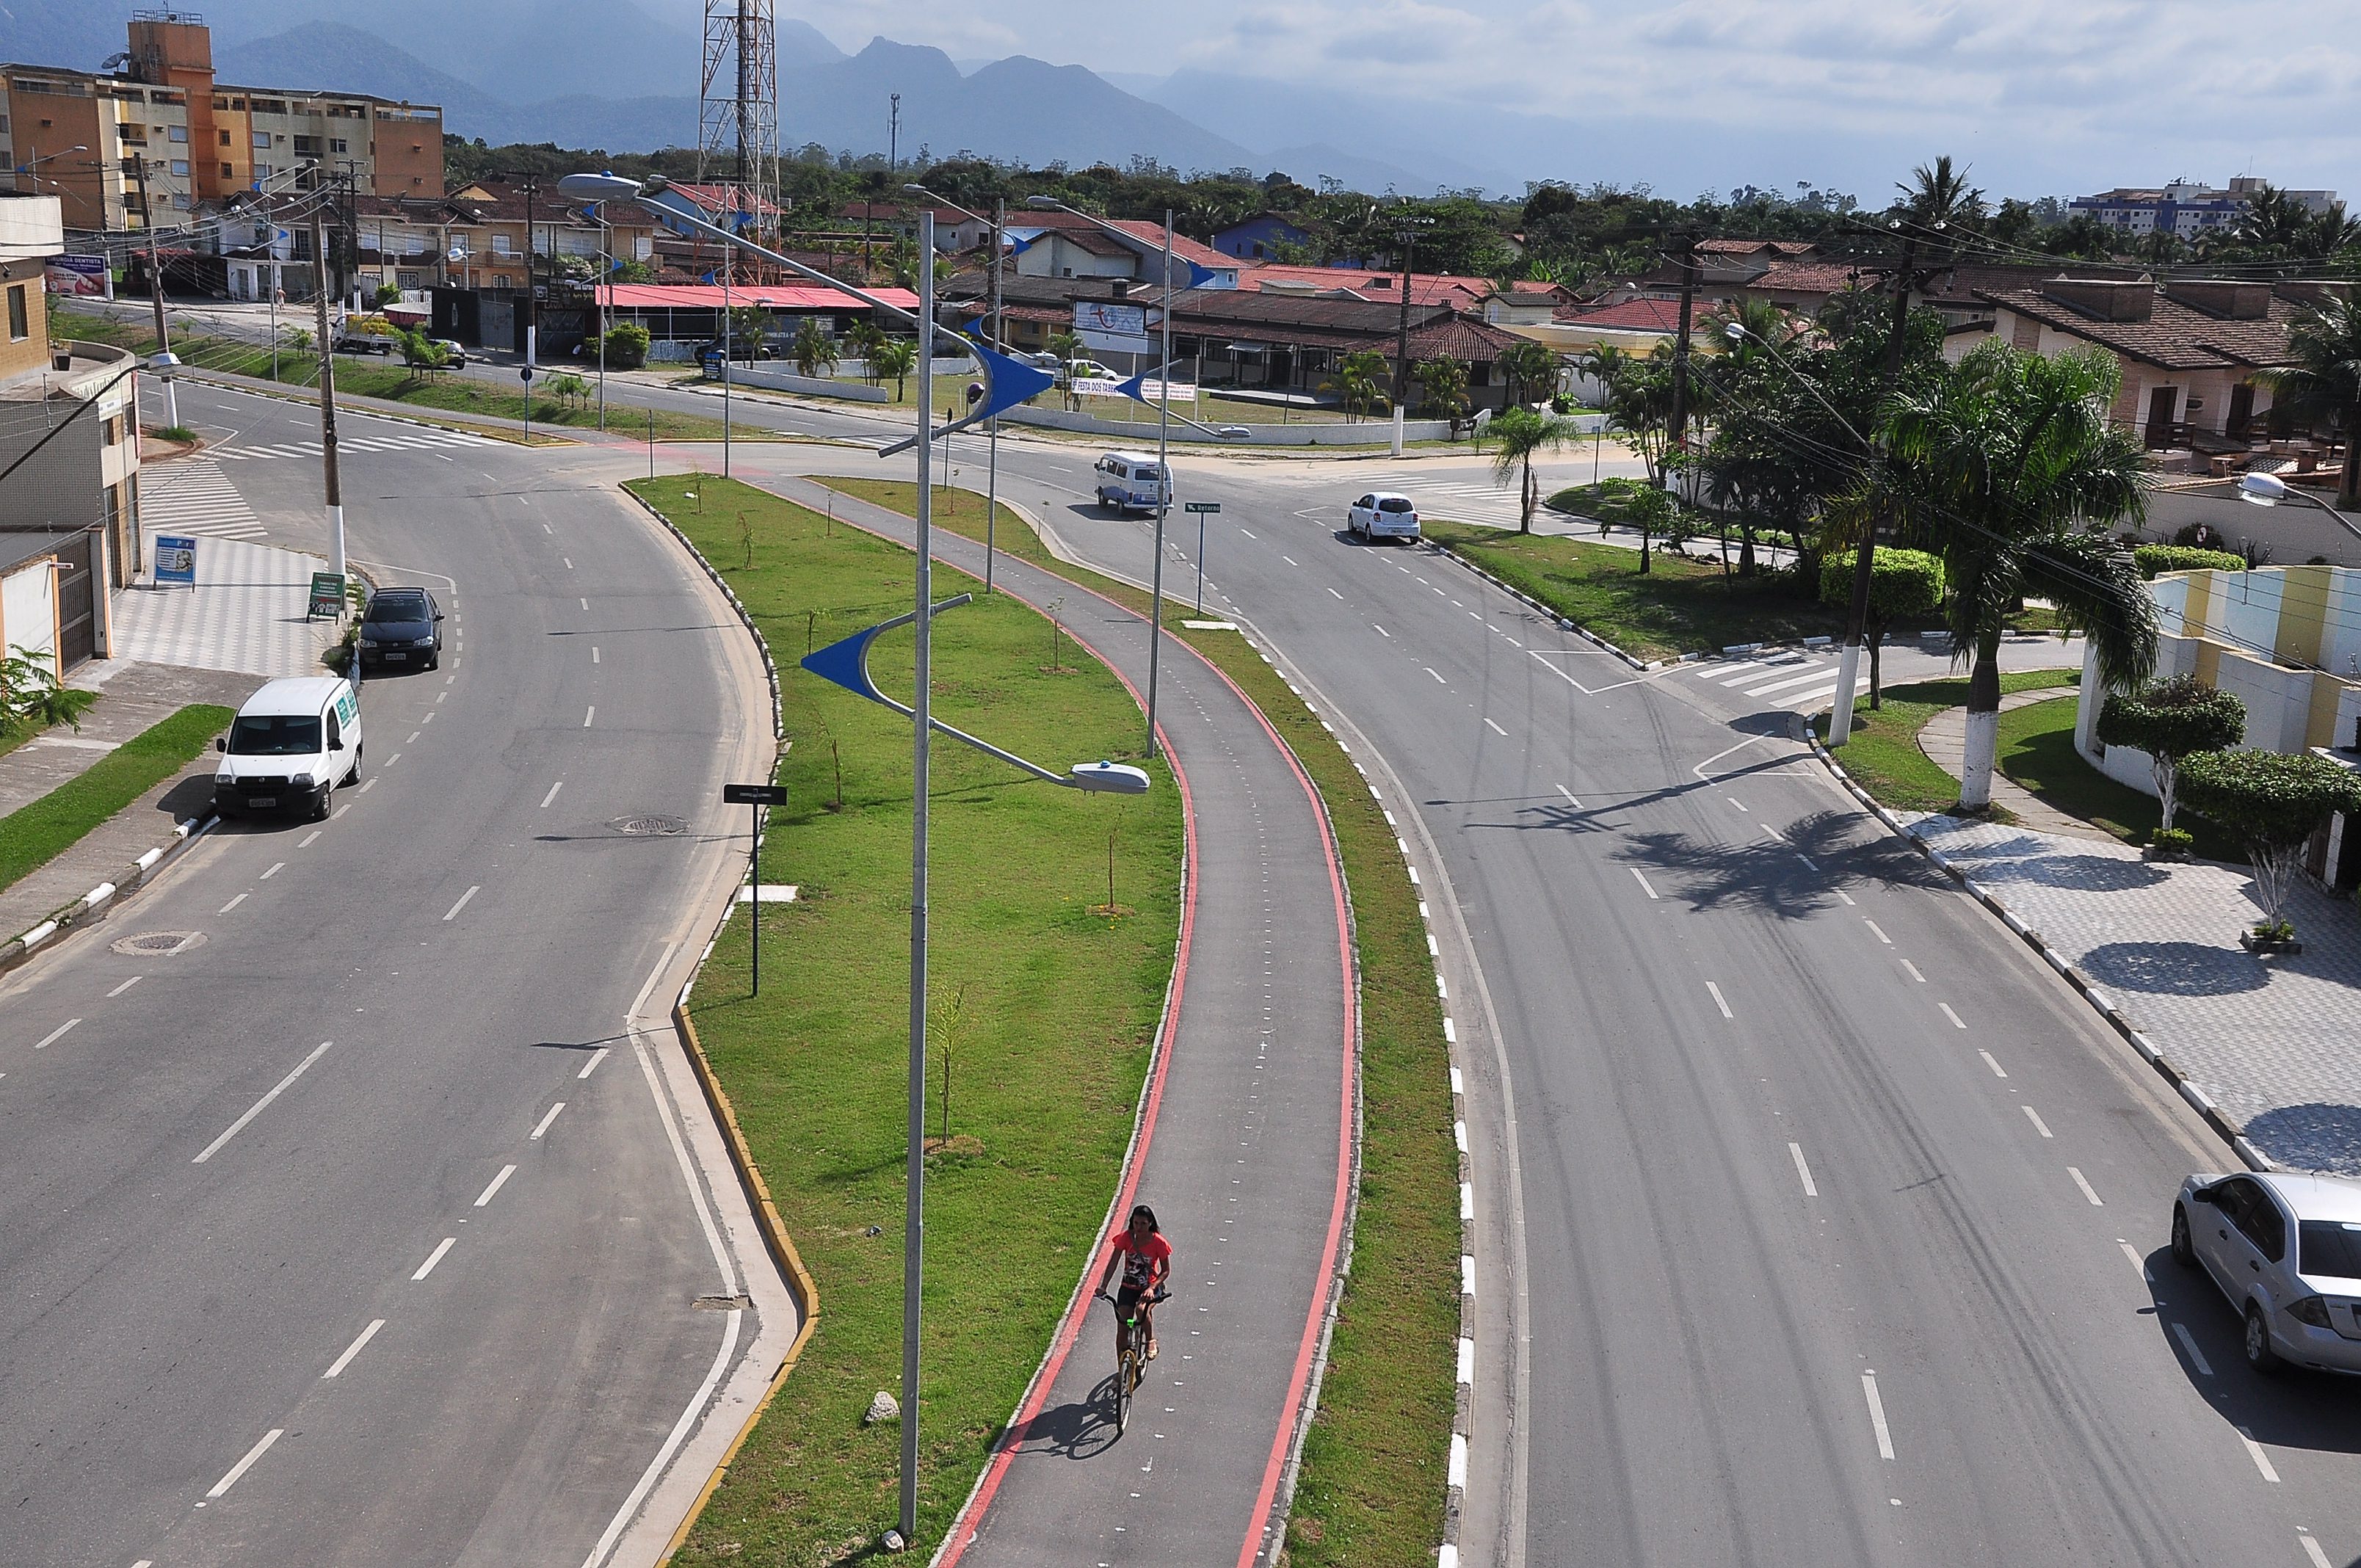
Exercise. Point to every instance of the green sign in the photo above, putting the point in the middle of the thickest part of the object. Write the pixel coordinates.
(328, 597)
(1201, 506)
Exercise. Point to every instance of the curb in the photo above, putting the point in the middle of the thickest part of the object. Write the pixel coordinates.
(2101, 1003)
(746, 617)
(103, 900)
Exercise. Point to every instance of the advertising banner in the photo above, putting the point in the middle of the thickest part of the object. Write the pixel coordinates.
(176, 559)
(76, 274)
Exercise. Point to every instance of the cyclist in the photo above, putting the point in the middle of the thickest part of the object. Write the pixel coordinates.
(1146, 1258)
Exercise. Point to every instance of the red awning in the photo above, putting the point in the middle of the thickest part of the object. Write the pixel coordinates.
(708, 297)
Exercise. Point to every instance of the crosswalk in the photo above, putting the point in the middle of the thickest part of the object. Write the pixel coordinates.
(1472, 498)
(412, 440)
(192, 495)
(1801, 683)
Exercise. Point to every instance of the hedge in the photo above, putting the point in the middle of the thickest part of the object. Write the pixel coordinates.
(2156, 559)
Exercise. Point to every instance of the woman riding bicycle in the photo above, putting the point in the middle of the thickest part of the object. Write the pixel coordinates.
(1146, 1258)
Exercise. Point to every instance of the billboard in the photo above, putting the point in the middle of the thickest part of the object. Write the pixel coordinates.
(76, 274)
(1115, 321)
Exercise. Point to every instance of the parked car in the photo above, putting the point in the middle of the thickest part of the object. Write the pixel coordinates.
(453, 353)
(402, 626)
(2286, 1250)
(1381, 514)
(293, 743)
(1131, 479)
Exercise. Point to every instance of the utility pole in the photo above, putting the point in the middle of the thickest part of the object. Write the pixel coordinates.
(1677, 436)
(992, 465)
(155, 285)
(1865, 554)
(1408, 239)
(894, 136)
(334, 488)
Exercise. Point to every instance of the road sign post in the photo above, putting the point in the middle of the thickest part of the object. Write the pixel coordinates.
(1203, 510)
(756, 797)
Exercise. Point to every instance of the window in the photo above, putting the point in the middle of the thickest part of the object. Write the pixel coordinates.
(307, 145)
(273, 735)
(21, 325)
(262, 171)
(180, 132)
(263, 140)
(2330, 1248)
(336, 144)
(228, 174)
(181, 167)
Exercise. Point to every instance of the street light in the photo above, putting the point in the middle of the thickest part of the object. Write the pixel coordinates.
(2269, 490)
(992, 441)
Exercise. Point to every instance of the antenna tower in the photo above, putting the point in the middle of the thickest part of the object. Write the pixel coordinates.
(738, 104)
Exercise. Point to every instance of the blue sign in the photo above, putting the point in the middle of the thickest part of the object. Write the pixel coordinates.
(176, 559)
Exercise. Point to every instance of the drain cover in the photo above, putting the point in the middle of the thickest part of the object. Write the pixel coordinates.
(154, 944)
(649, 827)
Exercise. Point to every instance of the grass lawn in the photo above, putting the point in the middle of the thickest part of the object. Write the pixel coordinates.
(1044, 1005)
(1370, 1494)
(38, 832)
(1882, 756)
(2036, 750)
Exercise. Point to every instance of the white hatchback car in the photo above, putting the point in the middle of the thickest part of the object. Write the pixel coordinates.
(1381, 514)
(2286, 1250)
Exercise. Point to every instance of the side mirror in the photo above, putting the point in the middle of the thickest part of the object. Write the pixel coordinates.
(438, 615)
(337, 744)
(221, 742)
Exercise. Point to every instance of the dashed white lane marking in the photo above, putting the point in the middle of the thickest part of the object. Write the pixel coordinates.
(542, 1126)
(337, 1366)
(1651, 893)
(273, 872)
(232, 904)
(1247, 533)
(126, 985)
(2189, 1344)
(1569, 796)
(1804, 1171)
(594, 653)
(1998, 1070)
(1914, 971)
(368, 785)
(552, 795)
(1438, 679)
(1334, 594)
(569, 562)
(453, 913)
(2312, 1548)
(258, 1106)
(2035, 1117)
(2082, 1182)
(1288, 559)
(54, 1036)
(1496, 730)
(498, 1182)
(434, 1257)
(590, 715)
(256, 1452)
(2137, 1262)
(1809, 862)
(1877, 1415)
(413, 737)
(2255, 1452)
(1381, 631)
(592, 1064)
(1717, 1002)
(314, 833)
(1845, 897)
(1877, 931)
(1957, 1022)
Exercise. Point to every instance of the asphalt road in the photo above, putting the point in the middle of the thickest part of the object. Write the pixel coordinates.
(362, 1231)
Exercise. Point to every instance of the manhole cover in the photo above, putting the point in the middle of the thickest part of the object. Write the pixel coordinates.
(649, 827)
(152, 944)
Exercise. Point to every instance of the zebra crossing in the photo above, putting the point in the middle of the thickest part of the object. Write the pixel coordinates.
(191, 495)
(1471, 499)
(420, 439)
(1801, 683)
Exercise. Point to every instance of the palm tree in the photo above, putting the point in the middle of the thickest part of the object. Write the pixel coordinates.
(866, 338)
(2013, 469)
(896, 357)
(1763, 327)
(1360, 383)
(1521, 433)
(813, 350)
(1530, 371)
(2324, 383)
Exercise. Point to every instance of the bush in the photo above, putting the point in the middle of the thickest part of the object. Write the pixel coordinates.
(1901, 582)
(2171, 840)
(2273, 800)
(627, 346)
(2156, 559)
(387, 294)
(2171, 720)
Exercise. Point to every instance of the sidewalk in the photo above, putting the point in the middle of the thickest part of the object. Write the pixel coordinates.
(245, 614)
(1945, 741)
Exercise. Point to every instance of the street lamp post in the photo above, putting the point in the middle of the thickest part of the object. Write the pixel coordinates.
(606, 287)
(992, 427)
(2269, 490)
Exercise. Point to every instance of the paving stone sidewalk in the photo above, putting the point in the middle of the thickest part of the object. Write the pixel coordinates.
(1944, 740)
(2275, 1043)
(244, 614)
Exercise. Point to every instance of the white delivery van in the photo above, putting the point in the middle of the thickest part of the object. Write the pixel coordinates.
(1133, 479)
(294, 742)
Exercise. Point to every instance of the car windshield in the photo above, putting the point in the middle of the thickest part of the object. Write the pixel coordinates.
(2330, 1246)
(274, 735)
(382, 609)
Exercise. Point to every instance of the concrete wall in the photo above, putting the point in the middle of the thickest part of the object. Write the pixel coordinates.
(2294, 531)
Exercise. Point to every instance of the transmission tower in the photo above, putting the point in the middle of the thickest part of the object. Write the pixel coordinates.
(738, 103)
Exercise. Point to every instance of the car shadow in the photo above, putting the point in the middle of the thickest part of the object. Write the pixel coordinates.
(2293, 1408)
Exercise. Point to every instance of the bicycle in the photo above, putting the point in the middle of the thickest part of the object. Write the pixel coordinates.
(1130, 1362)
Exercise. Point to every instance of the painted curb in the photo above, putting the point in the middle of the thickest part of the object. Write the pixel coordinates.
(2100, 1002)
(104, 898)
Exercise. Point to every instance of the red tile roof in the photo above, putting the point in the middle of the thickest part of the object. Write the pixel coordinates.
(2174, 338)
(1639, 315)
(1425, 288)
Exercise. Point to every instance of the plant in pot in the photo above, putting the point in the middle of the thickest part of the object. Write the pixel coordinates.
(2274, 801)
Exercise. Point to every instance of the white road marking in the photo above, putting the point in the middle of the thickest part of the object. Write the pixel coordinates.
(589, 716)
(552, 795)
(1290, 560)
(414, 738)
(1998, 1070)
(434, 1257)
(585, 603)
(2081, 1182)
(354, 1349)
(1914, 971)
(1846, 896)
(1809, 862)
(1496, 730)
(1736, 802)
(314, 833)
(1877, 1415)
(1248, 533)
(232, 904)
(1438, 679)
(273, 872)
(569, 562)
(544, 1125)
(54, 1036)
(1381, 631)
(1811, 1188)
(1651, 893)
(2312, 1548)
(592, 1064)
(497, 1182)
(2262, 1461)
(256, 1108)
(395, 758)
(368, 785)
(256, 1452)
(1957, 1022)
(1334, 594)
(1876, 930)
(2034, 1116)
(594, 653)
(2189, 1344)
(1717, 1002)
(453, 913)
(126, 985)
(2137, 1262)
(1569, 796)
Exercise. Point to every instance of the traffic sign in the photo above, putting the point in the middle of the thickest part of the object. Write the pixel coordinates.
(1201, 506)
(754, 794)
(525, 373)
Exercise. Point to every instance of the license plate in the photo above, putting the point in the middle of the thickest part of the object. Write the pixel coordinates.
(393, 658)
(259, 800)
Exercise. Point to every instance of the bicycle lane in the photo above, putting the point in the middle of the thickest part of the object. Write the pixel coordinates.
(1244, 1152)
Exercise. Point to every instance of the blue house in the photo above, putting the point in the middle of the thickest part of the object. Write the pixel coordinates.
(1259, 238)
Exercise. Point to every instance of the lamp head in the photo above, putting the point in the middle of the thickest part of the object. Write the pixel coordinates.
(1108, 778)
(2262, 489)
(599, 187)
(1734, 332)
(1045, 201)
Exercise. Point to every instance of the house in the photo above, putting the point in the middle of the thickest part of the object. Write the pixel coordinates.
(1526, 304)
(955, 232)
(1368, 283)
(1065, 245)
(681, 317)
(1254, 340)
(1259, 238)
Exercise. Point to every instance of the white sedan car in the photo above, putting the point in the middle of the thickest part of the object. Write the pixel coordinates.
(2286, 1250)
(1381, 514)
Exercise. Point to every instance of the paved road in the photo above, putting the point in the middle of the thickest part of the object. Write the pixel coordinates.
(362, 1231)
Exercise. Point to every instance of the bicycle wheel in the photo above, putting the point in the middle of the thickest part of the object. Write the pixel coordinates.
(1125, 1377)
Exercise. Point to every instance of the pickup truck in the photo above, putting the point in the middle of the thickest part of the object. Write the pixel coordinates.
(350, 342)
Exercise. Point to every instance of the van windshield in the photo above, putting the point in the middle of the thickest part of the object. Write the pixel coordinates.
(273, 735)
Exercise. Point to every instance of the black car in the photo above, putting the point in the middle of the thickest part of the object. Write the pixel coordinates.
(402, 629)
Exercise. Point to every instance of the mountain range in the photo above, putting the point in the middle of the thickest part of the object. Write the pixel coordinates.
(608, 73)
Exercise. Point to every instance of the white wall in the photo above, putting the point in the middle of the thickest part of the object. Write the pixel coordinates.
(28, 611)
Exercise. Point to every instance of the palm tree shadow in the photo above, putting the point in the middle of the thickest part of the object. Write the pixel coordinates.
(1784, 876)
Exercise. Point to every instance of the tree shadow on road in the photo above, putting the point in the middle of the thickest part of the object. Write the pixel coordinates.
(2173, 968)
(2027, 857)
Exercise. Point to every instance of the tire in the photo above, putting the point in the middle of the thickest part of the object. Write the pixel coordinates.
(2184, 1251)
(434, 660)
(320, 805)
(1122, 1394)
(2257, 1344)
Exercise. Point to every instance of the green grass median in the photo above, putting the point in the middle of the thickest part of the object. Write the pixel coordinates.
(1882, 756)
(39, 831)
(1371, 1491)
(1045, 1003)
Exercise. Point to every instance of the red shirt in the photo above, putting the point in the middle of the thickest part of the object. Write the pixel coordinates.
(1143, 1265)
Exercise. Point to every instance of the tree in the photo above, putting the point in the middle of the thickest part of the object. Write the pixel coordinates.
(386, 294)
(421, 353)
(32, 700)
(2172, 720)
(2324, 381)
(1901, 582)
(2274, 801)
(1442, 388)
(2013, 467)
(1360, 384)
(866, 338)
(1521, 433)
(814, 352)
(896, 357)
(567, 387)
(627, 346)
(1530, 371)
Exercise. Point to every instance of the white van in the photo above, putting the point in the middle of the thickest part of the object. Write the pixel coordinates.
(294, 742)
(1133, 479)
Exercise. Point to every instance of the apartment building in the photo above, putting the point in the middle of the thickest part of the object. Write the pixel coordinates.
(2185, 209)
(91, 139)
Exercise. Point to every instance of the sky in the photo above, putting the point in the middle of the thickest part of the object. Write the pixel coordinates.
(2043, 97)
